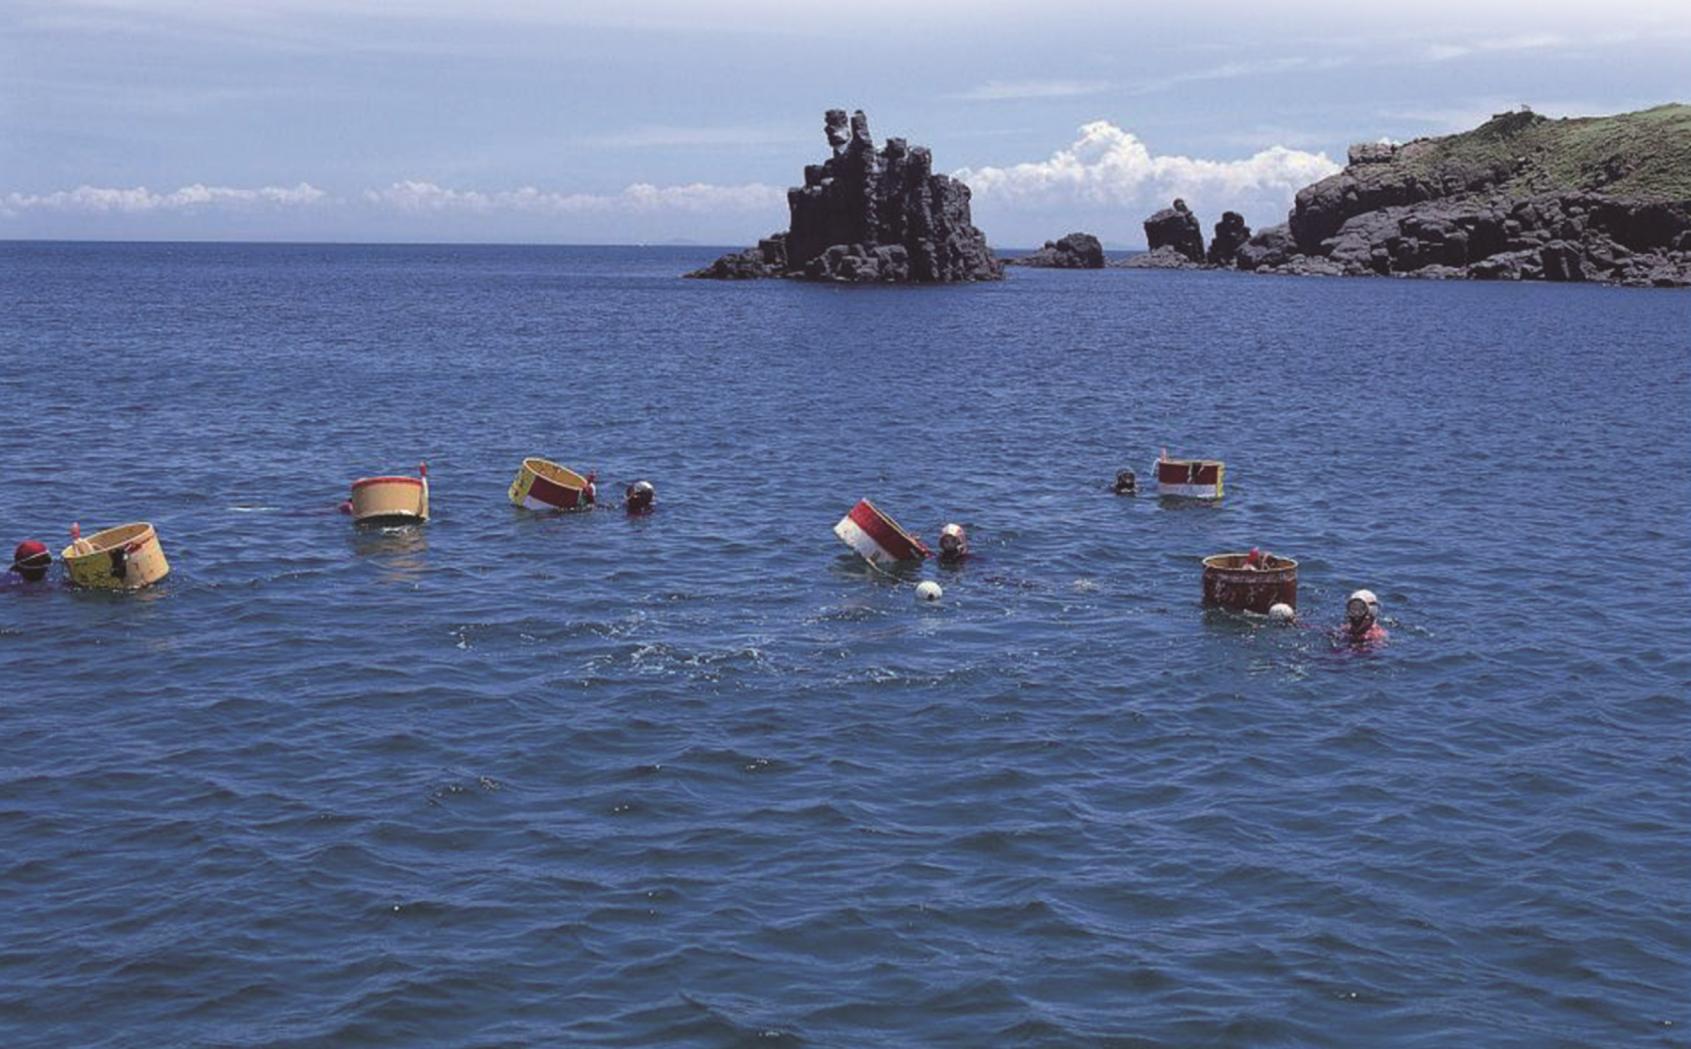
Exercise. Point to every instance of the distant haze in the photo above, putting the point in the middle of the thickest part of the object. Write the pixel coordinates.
(520, 120)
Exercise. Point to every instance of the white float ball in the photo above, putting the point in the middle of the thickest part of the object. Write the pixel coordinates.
(928, 590)
(1281, 613)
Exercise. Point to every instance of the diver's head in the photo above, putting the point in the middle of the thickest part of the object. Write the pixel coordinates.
(953, 543)
(1362, 611)
(31, 560)
(640, 495)
(1126, 483)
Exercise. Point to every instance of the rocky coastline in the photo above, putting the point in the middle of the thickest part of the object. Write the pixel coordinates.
(869, 216)
(1521, 197)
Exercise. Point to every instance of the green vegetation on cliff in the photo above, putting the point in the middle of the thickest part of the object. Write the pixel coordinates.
(1643, 156)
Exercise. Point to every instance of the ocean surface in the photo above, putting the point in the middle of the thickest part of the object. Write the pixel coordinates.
(705, 779)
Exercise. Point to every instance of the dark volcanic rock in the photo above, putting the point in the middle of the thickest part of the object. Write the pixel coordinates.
(1519, 198)
(1077, 251)
(768, 259)
(868, 215)
(1176, 227)
(1166, 257)
(1231, 233)
(1267, 249)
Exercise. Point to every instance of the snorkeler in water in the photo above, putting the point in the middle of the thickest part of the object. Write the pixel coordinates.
(1362, 619)
(30, 561)
(953, 544)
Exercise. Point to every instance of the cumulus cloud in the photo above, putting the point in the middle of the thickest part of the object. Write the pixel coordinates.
(1109, 172)
(141, 200)
(641, 197)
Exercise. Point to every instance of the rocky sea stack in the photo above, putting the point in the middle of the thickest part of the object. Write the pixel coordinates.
(1077, 251)
(1175, 229)
(869, 216)
(1521, 197)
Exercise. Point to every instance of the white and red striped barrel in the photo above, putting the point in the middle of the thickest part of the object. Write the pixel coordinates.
(878, 537)
(1192, 478)
(547, 494)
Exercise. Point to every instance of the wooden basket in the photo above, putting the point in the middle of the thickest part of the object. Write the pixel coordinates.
(127, 557)
(394, 499)
(1229, 584)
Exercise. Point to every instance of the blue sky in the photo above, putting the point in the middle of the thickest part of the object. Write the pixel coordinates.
(522, 120)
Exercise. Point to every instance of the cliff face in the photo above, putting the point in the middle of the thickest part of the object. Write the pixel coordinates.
(868, 215)
(1521, 197)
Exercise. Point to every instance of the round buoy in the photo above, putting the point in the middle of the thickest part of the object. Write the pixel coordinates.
(1281, 612)
(928, 590)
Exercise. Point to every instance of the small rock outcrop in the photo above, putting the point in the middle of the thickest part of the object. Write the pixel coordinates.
(1231, 233)
(1176, 227)
(1166, 257)
(869, 216)
(1077, 251)
(768, 259)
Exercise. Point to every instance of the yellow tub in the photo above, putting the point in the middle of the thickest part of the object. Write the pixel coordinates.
(391, 498)
(127, 557)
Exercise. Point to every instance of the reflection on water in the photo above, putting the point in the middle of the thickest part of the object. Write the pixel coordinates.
(399, 551)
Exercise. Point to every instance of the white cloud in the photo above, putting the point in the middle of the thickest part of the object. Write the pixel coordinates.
(642, 202)
(669, 136)
(1238, 70)
(1007, 90)
(1526, 42)
(141, 200)
(1107, 165)
(641, 197)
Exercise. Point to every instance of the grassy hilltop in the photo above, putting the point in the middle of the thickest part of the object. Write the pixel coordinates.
(1643, 156)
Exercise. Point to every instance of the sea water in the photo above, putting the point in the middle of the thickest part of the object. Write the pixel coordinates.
(705, 778)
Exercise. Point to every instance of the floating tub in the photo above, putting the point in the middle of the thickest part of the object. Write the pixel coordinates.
(878, 537)
(542, 484)
(127, 557)
(1190, 478)
(391, 500)
(1229, 584)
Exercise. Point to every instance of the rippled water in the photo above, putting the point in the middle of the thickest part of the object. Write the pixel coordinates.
(704, 779)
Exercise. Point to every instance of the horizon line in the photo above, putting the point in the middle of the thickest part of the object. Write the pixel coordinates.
(428, 243)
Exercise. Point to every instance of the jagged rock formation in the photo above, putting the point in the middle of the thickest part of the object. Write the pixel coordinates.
(1231, 233)
(1521, 197)
(1077, 251)
(867, 215)
(1176, 227)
